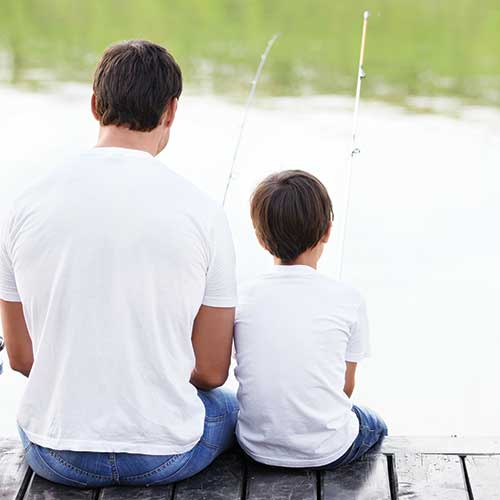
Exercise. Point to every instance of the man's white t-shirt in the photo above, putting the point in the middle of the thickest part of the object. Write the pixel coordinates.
(295, 330)
(112, 256)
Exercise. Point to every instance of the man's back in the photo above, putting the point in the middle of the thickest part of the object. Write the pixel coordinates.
(113, 256)
(295, 330)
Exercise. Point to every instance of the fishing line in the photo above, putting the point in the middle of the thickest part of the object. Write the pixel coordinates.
(354, 149)
(263, 58)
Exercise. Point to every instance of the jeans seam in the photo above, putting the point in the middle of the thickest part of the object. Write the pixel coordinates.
(164, 465)
(214, 420)
(209, 445)
(173, 473)
(72, 467)
(78, 483)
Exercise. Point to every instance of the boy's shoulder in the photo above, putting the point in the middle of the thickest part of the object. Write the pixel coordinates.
(337, 285)
(337, 292)
(318, 282)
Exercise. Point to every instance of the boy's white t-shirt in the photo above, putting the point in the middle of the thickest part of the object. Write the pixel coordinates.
(295, 330)
(112, 256)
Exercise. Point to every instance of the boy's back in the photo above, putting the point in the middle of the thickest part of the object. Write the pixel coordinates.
(295, 330)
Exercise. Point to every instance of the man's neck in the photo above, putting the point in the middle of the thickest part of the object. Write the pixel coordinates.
(112, 136)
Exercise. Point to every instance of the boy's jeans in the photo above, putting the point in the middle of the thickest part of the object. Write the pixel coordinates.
(371, 430)
(93, 469)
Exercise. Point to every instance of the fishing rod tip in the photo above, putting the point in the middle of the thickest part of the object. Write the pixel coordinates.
(366, 14)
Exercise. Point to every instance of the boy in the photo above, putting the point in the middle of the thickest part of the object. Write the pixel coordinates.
(298, 337)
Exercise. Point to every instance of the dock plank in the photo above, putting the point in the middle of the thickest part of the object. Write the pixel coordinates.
(441, 445)
(426, 477)
(265, 482)
(223, 480)
(484, 476)
(137, 493)
(14, 472)
(365, 479)
(41, 489)
(417, 475)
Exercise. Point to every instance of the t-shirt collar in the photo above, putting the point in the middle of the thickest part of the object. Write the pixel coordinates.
(293, 269)
(111, 151)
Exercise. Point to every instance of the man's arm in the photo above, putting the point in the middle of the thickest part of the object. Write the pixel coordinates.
(212, 342)
(350, 375)
(17, 338)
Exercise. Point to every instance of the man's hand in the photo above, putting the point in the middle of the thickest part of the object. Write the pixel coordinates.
(17, 338)
(212, 342)
(350, 375)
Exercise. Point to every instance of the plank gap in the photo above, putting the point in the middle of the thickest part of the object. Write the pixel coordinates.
(319, 493)
(393, 478)
(466, 478)
(28, 476)
(174, 487)
(244, 480)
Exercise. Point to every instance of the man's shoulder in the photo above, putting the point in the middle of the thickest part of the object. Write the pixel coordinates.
(189, 189)
(37, 188)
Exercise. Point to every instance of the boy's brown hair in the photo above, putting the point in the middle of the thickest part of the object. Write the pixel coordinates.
(291, 211)
(133, 84)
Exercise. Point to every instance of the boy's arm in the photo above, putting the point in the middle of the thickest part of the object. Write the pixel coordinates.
(17, 338)
(350, 375)
(358, 347)
(212, 342)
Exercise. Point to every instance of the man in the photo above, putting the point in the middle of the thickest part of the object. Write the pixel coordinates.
(117, 290)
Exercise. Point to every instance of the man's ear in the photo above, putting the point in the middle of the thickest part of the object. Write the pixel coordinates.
(327, 234)
(93, 107)
(169, 114)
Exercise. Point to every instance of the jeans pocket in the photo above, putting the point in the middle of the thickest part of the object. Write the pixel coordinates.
(154, 473)
(45, 466)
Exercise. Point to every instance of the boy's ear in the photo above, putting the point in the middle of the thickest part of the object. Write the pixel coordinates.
(261, 243)
(326, 236)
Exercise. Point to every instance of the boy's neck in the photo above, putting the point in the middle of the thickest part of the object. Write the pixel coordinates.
(305, 259)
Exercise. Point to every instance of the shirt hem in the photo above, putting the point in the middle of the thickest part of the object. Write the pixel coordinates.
(297, 464)
(9, 296)
(318, 462)
(102, 446)
(220, 302)
(356, 358)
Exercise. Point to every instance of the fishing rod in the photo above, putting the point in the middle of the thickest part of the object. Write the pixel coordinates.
(263, 58)
(354, 149)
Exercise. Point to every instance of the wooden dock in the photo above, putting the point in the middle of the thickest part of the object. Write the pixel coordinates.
(402, 468)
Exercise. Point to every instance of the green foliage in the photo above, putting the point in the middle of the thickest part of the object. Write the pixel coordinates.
(415, 47)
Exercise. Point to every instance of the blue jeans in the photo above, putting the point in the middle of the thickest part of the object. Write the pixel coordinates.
(371, 430)
(95, 469)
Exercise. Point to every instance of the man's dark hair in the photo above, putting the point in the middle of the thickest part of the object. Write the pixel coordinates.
(133, 84)
(291, 212)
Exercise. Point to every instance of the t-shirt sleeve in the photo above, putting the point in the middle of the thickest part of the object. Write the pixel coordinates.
(358, 346)
(8, 287)
(220, 290)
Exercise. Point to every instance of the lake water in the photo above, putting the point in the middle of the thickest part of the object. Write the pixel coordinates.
(423, 243)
